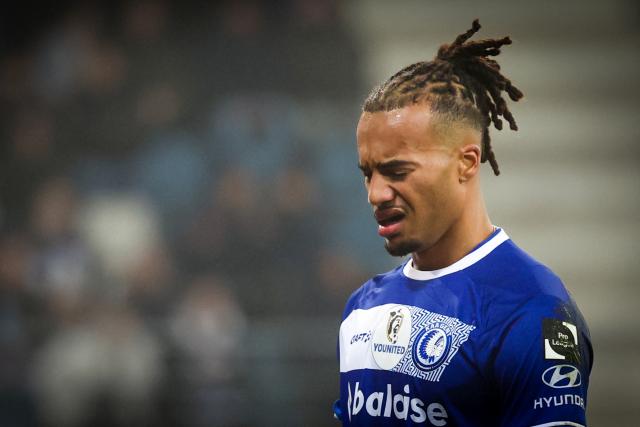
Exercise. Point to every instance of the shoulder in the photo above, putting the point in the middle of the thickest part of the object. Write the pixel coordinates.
(510, 262)
(524, 305)
(518, 292)
(512, 277)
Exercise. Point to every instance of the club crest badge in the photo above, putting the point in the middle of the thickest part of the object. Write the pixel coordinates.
(431, 346)
(391, 338)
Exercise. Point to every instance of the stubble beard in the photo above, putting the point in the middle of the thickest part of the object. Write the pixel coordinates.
(401, 248)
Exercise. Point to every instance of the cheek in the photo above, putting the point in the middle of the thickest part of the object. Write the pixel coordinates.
(441, 199)
(451, 195)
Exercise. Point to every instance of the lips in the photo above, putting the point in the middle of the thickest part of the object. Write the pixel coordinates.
(389, 221)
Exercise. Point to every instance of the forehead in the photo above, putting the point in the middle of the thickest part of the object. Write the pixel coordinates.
(388, 134)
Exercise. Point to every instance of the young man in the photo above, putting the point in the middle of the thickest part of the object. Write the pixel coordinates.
(470, 331)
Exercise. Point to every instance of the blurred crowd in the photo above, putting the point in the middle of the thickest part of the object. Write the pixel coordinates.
(170, 175)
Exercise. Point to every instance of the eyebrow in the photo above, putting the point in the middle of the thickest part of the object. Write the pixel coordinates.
(391, 164)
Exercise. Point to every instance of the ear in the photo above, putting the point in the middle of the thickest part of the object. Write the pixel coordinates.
(469, 162)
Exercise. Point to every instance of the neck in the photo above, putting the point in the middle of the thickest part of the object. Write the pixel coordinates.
(466, 233)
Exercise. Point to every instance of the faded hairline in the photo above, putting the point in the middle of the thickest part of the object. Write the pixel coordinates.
(450, 117)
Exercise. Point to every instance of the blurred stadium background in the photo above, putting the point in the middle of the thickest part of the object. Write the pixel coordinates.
(182, 219)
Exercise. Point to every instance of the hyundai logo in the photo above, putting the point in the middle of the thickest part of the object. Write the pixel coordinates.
(562, 376)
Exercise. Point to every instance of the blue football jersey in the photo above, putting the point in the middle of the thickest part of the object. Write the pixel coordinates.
(493, 340)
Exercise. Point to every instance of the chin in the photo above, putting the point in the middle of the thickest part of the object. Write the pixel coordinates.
(402, 247)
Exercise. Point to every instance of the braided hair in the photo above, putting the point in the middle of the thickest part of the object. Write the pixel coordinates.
(461, 83)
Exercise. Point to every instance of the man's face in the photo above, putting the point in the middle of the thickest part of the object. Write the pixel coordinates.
(412, 177)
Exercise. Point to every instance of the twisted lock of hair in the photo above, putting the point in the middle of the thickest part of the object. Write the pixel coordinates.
(462, 80)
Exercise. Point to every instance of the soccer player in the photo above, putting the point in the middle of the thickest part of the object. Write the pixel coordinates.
(470, 330)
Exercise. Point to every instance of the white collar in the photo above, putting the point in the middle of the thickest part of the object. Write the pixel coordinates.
(471, 258)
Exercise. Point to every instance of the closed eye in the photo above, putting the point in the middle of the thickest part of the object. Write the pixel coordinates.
(395, 170)
(397, 174)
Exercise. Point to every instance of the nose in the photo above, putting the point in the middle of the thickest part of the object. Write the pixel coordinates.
(379, 191)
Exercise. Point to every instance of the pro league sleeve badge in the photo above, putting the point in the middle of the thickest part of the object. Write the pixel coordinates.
(560, 340)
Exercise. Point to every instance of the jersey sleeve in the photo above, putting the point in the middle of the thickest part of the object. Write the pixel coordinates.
(542, 361)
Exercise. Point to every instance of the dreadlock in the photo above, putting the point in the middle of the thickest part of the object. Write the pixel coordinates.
(462, 83)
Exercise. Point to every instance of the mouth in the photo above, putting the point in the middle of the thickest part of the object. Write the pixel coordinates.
(389, 221)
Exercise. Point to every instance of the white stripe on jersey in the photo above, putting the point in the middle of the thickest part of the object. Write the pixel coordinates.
(365, 330)
(467, 261)
(360, 323)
